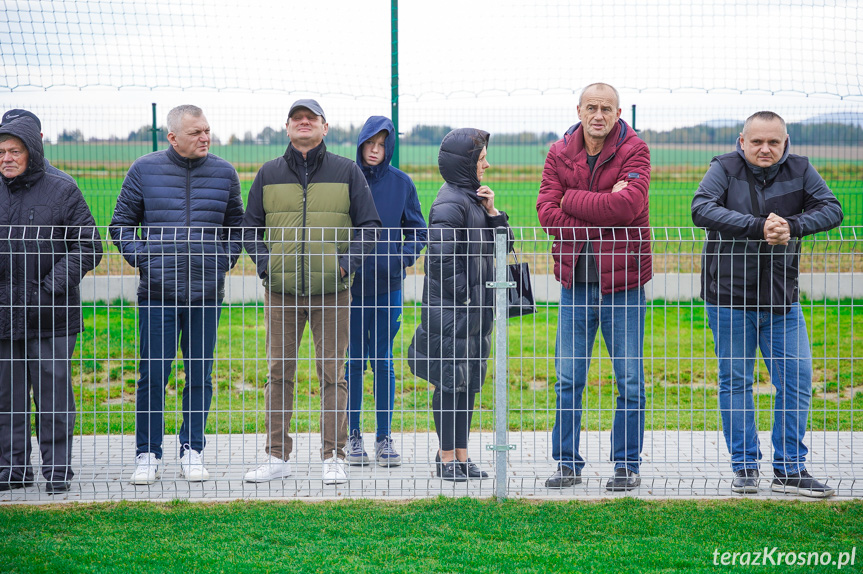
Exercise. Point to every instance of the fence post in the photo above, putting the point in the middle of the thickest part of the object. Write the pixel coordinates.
(394, 75)
(501, 359)
(155, 129)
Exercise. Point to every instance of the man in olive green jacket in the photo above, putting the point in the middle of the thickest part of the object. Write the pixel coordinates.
(310, 221)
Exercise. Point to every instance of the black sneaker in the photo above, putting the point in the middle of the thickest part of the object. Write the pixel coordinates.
(745, 481)
(471, 470)
(801, 483)
(451, 471)
(623, 479)
(8, 482)
(57, 486)
(563, 478)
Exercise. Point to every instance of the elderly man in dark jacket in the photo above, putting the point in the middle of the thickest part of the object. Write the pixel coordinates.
(451, 346)
(187, 203)
(593, 201)
(762, 192)
(49, 243)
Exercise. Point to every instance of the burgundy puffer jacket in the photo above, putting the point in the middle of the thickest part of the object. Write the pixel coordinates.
(575, 206)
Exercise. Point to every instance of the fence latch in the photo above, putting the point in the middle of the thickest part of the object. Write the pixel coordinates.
(499, 284)
(500, 447)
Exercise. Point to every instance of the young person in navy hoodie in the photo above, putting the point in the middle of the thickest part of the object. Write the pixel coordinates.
(376, 293)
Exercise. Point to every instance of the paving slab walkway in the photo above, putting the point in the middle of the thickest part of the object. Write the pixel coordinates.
(676, 464)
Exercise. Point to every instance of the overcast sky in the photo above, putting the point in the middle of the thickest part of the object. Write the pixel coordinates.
(502, 65)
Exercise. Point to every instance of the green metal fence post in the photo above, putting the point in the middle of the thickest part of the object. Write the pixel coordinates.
(633, 118)
(155, 130)
(394, 79)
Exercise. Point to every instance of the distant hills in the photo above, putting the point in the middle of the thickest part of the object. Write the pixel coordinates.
(846, 118)
(838, 128)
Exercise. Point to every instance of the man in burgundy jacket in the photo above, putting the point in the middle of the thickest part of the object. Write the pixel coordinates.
(593, 202)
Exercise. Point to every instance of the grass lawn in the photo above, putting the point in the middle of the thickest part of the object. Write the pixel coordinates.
(680, 371)
(439, 535)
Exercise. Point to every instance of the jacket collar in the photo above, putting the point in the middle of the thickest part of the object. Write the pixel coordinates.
(573, 141)
(314, 156)
(189, 163)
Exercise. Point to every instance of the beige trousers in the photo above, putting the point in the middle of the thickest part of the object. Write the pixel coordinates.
(286, 317)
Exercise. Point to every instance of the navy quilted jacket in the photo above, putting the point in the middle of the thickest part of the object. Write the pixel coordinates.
(189, 212)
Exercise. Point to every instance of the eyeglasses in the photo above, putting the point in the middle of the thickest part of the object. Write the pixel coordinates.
(15, 153)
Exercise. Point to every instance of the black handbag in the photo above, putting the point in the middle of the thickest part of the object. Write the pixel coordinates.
(520, 299)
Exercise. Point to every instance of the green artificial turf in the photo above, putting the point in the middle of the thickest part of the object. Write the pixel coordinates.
(438, 535)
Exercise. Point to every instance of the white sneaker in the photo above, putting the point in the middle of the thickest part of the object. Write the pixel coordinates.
(272, 469)
(192, 466)
(147, 469)
(335, 471)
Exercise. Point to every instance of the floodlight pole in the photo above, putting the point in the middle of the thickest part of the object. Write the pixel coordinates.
(394, 78)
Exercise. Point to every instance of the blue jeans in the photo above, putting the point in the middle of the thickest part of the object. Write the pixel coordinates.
(162, 324)
(374, 324)
(784, 345)
(621, 316)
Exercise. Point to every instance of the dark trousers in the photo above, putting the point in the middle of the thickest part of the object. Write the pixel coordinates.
(162, 325)
(44, 365)
(452, 415)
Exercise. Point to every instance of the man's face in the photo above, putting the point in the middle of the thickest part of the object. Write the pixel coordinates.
(598, 112)
(763, 142)
(306, 129)
(14, 157)
(374, 149)
(192, 140)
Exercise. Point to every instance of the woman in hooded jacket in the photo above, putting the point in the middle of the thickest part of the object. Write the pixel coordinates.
(451, 346)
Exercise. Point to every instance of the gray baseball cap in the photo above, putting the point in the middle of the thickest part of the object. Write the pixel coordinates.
(308, 104)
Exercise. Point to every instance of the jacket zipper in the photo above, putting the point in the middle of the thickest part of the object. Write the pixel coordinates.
(596, 169)
(590, 187)
(303, 240)
(188, 225)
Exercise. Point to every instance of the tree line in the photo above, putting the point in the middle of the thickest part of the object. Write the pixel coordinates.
(801, 133)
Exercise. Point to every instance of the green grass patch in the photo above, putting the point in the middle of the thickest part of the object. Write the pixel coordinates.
(680, 370)
(439, 535)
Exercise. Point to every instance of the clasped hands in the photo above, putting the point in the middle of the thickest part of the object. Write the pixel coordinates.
(777, 231)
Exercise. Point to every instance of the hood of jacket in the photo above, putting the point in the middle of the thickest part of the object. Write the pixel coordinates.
(458, 156)
(372, 126)
(28, 132)
(765, 173)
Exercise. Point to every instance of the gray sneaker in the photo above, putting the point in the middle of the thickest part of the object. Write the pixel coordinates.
(355, 453)
(745, 481)
(385, 452)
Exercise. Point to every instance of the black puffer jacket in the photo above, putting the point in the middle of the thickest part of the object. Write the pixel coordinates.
(451, 346)
(48, 242)
(186, 209)
(738, 269)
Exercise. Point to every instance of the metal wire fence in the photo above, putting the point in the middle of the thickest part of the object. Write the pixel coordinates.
(219, 394)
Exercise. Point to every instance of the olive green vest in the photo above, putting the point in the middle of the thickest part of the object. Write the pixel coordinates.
(305, 244)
